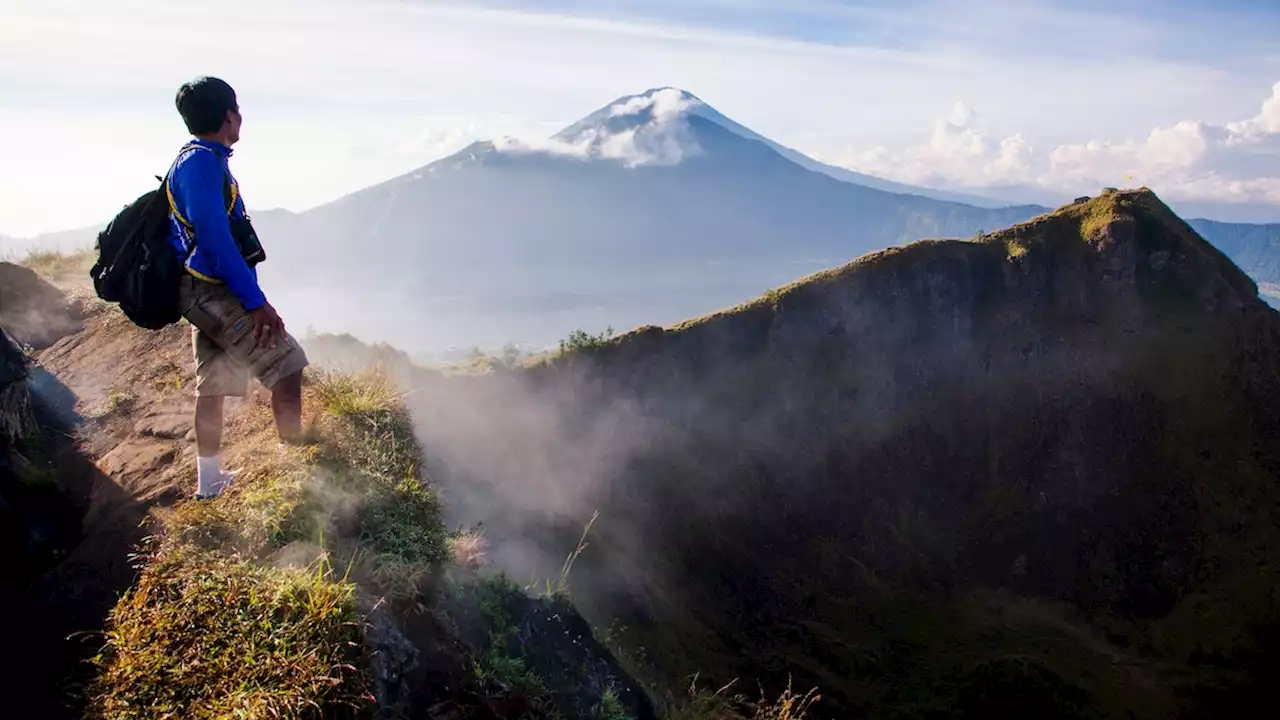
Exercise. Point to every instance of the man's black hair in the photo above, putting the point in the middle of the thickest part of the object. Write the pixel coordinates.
(204, 103)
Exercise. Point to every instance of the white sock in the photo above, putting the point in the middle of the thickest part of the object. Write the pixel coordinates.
(209, 480)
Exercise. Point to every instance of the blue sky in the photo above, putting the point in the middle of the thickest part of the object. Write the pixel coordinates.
(1223, 33)
(340, 94)
(910, 23)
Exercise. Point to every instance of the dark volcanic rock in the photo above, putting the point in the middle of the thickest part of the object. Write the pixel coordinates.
(13, 391)
(549, 639)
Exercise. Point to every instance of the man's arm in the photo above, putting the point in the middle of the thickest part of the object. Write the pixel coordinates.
(199, 194)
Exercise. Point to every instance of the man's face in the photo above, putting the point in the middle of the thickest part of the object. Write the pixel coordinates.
(233, 126)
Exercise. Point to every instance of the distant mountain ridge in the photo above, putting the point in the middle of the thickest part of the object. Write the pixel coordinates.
(651, 209)
(65, 241)
(648, 213)
(1256, 248)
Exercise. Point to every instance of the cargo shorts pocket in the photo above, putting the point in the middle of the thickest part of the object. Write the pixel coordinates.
(222, 319)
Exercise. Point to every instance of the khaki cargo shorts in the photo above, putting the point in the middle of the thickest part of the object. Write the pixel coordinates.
(225, 349)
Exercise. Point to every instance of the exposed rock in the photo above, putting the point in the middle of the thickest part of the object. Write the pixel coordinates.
(559, 645)
(551, 639)
(394, 656)
(137, 457)
(170, 426)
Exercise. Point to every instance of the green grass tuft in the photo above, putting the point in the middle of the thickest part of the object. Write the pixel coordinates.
(611, 707)
(363, 397)
(400, 524)
(375, 456)
(118, 401)
(499, 659)
(378, 438)
(581, 340)
(206, 635)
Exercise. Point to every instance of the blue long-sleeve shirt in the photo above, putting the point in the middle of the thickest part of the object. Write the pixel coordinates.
(197, 185)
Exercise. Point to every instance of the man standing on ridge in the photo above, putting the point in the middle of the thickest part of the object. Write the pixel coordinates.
(235, 330)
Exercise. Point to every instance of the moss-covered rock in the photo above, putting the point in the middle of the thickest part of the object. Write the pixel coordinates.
(542, 648)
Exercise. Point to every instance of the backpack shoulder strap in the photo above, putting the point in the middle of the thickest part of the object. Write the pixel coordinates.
(229, 191)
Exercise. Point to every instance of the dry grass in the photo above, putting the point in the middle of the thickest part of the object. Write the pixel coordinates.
(223, 624)
(60, 268)
(1016, 249)
(470, 550)
(725, 704)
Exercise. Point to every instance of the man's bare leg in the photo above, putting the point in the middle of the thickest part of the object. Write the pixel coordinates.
(210, 478)
(209, 425)
(286, 406)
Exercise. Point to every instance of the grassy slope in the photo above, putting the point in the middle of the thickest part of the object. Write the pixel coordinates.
(257, 604)
(247, 605)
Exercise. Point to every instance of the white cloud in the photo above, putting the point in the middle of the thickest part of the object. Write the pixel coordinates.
(1266, 122)
(1236, 162)
(958, 152)
(553, 146)
(659, 134)
(661, 139)
(663, 105)
(635, 105)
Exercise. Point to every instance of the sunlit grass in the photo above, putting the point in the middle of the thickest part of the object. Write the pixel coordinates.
(208, 635)
(226, 621)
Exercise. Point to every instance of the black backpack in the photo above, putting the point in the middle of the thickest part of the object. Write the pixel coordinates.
(137, 267)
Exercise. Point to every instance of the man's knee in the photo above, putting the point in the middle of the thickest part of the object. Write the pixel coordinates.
(209, 404)
(289, 384)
